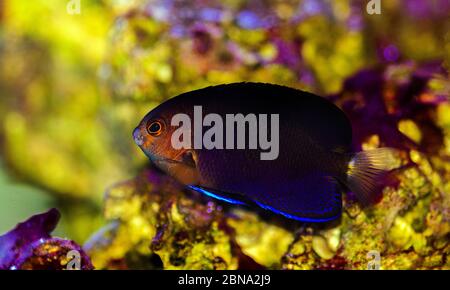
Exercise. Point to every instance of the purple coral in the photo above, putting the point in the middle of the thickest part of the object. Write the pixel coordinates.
(30, 246)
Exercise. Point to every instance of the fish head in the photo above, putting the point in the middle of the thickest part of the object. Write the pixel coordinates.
(154, 136)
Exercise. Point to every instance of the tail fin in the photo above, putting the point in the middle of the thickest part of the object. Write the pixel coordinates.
(366, 170)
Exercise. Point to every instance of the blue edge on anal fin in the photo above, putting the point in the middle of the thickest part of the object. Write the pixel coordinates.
(213, 195)
(266, 207)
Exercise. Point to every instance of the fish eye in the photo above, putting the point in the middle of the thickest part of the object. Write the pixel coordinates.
(155, 128)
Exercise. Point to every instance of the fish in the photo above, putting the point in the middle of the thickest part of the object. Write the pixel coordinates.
(304, 171)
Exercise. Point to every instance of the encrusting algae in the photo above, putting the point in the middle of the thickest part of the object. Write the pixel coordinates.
(152, 216)
(402, 102)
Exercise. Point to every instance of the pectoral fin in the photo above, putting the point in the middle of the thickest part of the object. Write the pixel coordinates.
(184, 169)
(190, 158)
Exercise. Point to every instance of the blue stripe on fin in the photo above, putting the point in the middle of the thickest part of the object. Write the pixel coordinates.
(302, 219)
(213, 195)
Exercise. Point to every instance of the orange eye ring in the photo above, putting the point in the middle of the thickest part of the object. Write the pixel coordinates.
(155, 128)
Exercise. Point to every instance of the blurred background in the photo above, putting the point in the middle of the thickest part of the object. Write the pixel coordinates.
(77, 76)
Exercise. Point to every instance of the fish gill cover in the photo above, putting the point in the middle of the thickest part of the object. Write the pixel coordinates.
(73, 86)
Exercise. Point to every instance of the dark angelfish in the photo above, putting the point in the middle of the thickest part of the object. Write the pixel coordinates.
(296, 159)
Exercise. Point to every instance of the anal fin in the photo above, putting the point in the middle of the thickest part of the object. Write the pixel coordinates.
(226, 197)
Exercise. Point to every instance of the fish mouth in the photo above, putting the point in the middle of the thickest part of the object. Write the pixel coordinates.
(137, 136)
